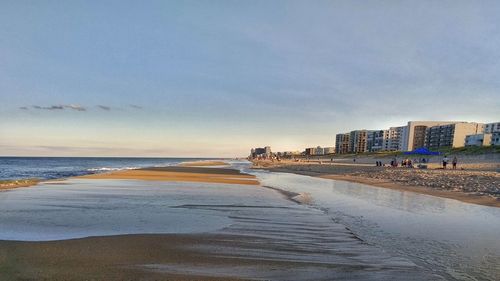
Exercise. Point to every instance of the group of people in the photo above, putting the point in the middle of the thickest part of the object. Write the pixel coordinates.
(453, 162)
(408, 163)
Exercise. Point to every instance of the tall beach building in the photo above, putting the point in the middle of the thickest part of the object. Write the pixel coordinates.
(342, 143)
(414, 135)
(451, 135)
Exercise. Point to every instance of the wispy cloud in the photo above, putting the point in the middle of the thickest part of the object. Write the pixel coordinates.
(23, 108)
(104, 107)
(58, 107)
(75, 107)
(52, 107)
(136, 106)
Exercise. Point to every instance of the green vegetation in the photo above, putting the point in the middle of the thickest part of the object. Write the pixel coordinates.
(470, 150)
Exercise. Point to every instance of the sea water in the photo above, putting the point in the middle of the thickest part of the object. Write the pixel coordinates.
(63, 167)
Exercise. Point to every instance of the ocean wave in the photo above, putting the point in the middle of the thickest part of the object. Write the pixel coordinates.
(105, 169)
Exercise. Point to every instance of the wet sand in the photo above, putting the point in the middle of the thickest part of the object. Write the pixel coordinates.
(442, 183)
(268, 236)
(105, 258)
(192, 257)
(179, 173)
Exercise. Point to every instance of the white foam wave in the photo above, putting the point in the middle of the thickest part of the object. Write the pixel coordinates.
(104, 169)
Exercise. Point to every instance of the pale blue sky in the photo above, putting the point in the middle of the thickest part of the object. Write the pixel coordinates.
(214, 78)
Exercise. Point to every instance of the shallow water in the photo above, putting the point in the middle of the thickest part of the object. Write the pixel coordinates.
(277, 238)
(62, 167)
(79, 208)
(454, 239)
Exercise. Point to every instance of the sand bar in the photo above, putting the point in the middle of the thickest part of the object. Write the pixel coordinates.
(203, 163)
(178, 173)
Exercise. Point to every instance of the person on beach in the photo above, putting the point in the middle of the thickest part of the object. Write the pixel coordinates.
(454, 163)
(445, 161)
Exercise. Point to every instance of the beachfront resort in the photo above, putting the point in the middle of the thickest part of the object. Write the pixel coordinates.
(432, 135)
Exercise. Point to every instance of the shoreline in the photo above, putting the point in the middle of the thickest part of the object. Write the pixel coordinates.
(180, 174)
(12, 184)
(203, 163)
(192, 171)
(317, 170)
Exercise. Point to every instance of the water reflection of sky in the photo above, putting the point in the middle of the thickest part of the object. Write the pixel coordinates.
(447, 232)
(263, 223)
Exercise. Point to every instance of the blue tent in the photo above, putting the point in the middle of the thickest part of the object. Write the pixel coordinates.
(422, 151)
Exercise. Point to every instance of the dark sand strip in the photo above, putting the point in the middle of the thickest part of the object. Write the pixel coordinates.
(105, 258)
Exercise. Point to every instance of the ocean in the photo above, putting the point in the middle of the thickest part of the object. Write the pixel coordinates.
(12, 168)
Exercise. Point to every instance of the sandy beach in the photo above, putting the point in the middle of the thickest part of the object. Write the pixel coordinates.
(207, 163)
(181, 173)
(124, 257)
(472, 186)
(204, 223)
(267, 236)
(9, 184)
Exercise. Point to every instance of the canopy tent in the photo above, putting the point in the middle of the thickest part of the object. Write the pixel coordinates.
(422, 151)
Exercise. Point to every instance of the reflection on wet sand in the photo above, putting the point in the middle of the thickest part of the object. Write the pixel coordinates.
(453, 239)
(249, 232)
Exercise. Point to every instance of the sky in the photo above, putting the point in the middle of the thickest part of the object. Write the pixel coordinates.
(216, 78)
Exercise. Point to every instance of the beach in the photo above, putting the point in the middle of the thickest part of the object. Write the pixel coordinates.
(179, 223)
(478, 186)
(230, 222)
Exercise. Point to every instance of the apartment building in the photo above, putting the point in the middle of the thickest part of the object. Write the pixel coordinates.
(414, 133)
(490, 128)
(395, 138)
(328, 150)
(495, 138)
(479, 140)
(378, 140)
(451, 135)
(314, 151)
(342, 143)
(264, 152)
(358, 141)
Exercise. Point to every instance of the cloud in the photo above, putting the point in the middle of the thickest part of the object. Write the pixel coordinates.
(58, 107)
(52, 107)
(75, 107)
(23, 108)
(136, 106)
(104, 107)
